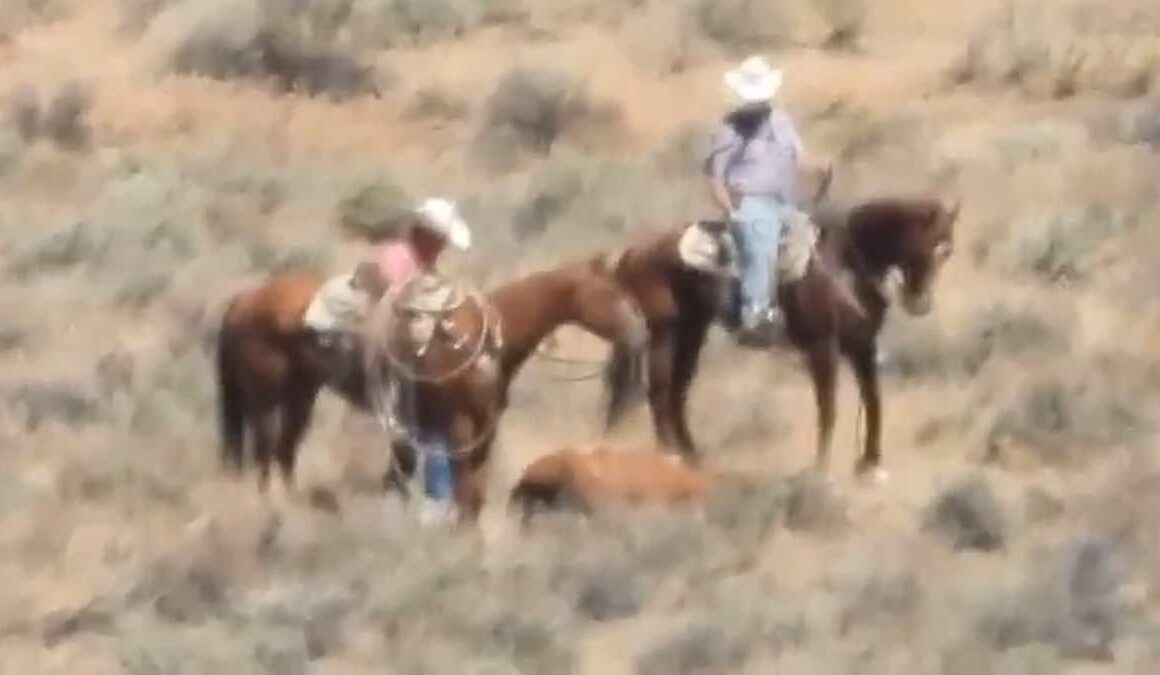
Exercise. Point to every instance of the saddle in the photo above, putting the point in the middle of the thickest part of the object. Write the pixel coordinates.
(337, 305)
(710, 246)
(422, 304)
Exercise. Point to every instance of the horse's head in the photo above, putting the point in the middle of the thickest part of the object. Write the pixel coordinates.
(926, 242)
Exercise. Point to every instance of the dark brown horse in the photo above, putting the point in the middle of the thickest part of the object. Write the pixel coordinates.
(270, 367)
(837, 308)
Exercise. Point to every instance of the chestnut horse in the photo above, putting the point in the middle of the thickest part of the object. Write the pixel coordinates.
(825, 316)
(270, 368)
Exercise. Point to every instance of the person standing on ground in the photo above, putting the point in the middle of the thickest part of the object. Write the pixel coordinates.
(437, 223)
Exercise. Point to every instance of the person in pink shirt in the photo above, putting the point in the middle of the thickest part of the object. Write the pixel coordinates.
(437, 224)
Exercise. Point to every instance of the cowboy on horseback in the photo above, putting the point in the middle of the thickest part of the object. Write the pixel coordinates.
(752, 167)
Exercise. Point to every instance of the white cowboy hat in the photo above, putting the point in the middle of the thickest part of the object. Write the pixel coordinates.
(754, 81)
(442, 216)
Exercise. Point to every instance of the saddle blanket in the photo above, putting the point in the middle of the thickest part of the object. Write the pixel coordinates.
(337, 305)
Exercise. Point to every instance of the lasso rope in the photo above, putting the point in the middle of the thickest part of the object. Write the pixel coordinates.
(598, 367)
(383, 323)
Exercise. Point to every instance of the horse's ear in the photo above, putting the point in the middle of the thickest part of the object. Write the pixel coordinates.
(953, 211)
(927, 213)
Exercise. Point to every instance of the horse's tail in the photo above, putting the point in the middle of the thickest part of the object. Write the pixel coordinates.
(231, 415)
(623, 382)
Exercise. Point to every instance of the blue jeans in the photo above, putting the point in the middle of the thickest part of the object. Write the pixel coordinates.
(758, 231)
(432, 450)
(435, 456)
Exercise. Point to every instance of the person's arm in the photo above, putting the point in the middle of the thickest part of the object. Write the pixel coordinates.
(724, 144)
(807, 165)
(367, 277)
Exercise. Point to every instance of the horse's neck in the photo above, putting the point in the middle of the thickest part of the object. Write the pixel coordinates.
(856, 247)
(530, 309)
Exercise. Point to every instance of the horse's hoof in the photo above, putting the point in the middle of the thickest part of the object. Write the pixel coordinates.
(873, 475)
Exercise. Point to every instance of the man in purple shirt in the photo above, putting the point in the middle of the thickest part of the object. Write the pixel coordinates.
(752, 167)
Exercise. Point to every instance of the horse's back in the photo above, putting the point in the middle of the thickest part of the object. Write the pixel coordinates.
(278, 303)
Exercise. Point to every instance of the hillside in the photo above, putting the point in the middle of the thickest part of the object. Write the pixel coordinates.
(156, 155)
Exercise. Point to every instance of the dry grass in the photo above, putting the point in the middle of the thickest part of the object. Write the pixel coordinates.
(156, 154)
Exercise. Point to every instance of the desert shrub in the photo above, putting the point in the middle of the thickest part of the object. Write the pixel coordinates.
(63, 120)
(845, 20)
(995, 330)
(608, 593)
(13, 338)
(38, 402)
(261, 40)
(24, 112)
(881, 596)
(1065, 415)
(531, 108)
(740, 26)
(1046, 51)
(429, 103)
(1072, 607)
(968, 516)
(377, 209)
(17, 15)
(734, 628)
(57, 250)
(573, 204)
(1057, 247)
(1141, 124)
(682, 154)
(551, 193)
(812, 505)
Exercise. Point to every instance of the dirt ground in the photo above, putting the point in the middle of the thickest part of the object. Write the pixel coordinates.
(156, 155)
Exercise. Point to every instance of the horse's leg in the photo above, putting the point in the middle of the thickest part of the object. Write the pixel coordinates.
(689, 339)
(297, 409)
(660, 385)
(265, 432)
(822, 356)
(401, 469)
(469, 462)
(864, 359)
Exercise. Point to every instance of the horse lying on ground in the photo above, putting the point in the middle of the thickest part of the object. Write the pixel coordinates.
(599, 476)
(270, 366)
(836, 304)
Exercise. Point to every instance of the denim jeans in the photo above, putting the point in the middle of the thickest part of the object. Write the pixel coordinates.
(758, 230)
(432, 450)
(438, 482)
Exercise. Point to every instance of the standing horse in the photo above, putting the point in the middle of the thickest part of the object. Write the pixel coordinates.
(825, 316)
(270, 368)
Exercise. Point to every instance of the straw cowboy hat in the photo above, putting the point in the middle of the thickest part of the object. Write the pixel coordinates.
(754, 81)
(442, 216)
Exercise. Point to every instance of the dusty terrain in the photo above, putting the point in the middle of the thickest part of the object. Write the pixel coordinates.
(157, 154)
